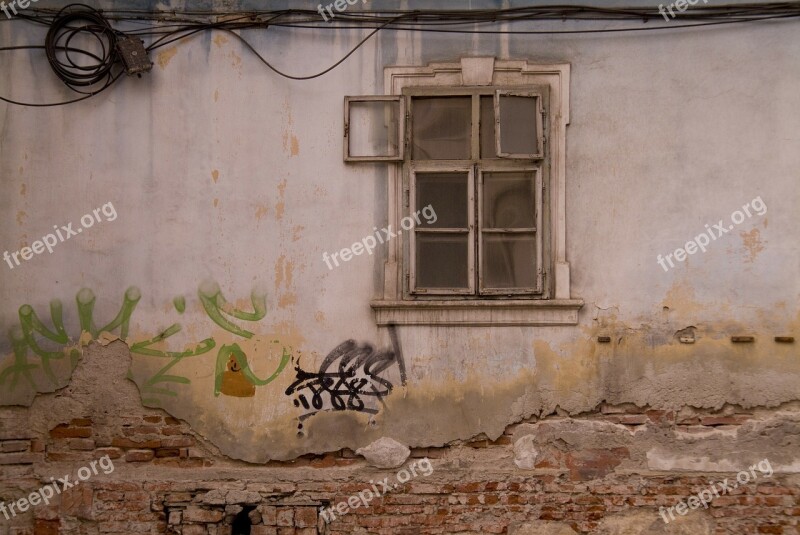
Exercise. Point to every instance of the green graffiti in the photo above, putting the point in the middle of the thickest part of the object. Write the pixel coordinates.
(217, 307)
(32, 331)
(227, 352)
(143, 348)
(180, 304)
(30, 324)
(86, 300)
(20, 366)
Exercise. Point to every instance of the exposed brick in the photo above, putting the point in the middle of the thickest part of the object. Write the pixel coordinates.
(167, 452)
(178, 442)
(81, 444)
(19, 458)
(139, 456)
(81, 422)
(10, 446)
(723, 420)
(594, 463)
(67, 456)
(66, 431)
(46, 527)
(269, 514)
(305, 517)
(112, 453)
(197, 514)
(121, 442)
(285, 516)
(77, 501)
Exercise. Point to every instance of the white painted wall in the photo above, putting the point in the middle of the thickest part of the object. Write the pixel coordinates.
(221, 170)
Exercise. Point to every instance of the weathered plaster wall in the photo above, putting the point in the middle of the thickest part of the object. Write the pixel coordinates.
(224, 175)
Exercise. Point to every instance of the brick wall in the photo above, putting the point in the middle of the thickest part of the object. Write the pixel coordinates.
(166, 479)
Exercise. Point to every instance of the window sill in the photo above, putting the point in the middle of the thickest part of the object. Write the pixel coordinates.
(501, 312)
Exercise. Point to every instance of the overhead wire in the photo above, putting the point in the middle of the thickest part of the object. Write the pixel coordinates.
(168, 27)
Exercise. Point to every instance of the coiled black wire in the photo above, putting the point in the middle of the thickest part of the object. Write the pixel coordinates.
(69, 24)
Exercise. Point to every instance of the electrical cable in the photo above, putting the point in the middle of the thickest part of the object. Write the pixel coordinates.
(60, 54)
(167, 27)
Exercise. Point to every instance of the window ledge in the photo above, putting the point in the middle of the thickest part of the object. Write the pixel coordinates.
(500, 312)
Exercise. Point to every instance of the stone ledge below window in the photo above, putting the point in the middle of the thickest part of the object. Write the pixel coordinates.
(501, 312)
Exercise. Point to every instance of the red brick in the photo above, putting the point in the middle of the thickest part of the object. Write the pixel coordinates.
(113, 453)
(285, 516)
(305, 517)
(19, 458)
(723, 420)
(13, 446)
(65, 431)
(139, 456)
(67, 456)
(178, 442)
(81, 422)
(46, 527)
(121, 442)
(196, 514)
(81, 444)
(594, 463)
(77, 501)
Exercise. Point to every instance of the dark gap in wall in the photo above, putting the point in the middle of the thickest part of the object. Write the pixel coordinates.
(242, 523)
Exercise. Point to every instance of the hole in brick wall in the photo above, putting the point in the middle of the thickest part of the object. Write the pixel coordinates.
(242, 522)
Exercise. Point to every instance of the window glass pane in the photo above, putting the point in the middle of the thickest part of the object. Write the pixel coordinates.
(373, 128)
(447, 194)
(508, 200)
(509, 260)
(441, 260)
(441, 128)
(518, 125)
(488, 149)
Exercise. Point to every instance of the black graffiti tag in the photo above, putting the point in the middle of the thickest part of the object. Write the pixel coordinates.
(350, 378)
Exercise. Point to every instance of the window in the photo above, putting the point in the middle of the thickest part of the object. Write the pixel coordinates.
(477, 159)
(482, 142)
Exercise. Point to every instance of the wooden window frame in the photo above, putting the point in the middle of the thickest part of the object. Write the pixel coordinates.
(555, 306)
(400, 134)
(471, 249)
(540, 134)
(538, 231)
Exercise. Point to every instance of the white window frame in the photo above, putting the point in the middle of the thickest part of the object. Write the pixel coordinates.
(395, 305)
(540, 137)
(399, 157)
(429, 167)
(538, 230)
